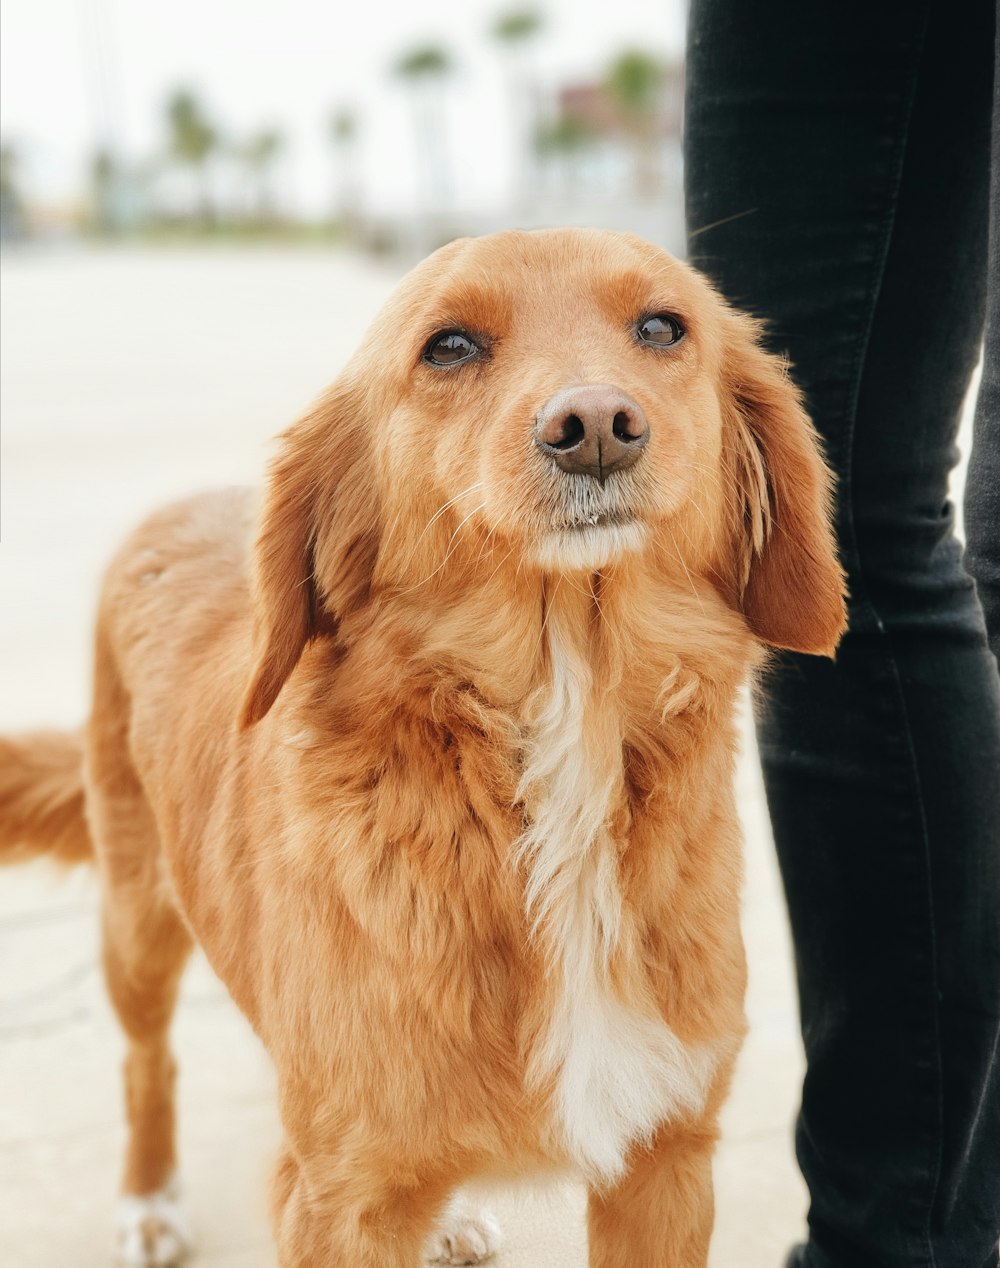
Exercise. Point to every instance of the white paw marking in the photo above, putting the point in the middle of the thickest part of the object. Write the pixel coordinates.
(153, 1231)
(464, 1236)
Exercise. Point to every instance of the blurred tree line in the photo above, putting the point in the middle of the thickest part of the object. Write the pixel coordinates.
(571, 138)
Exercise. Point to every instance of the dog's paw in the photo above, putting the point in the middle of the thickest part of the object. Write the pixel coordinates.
(153, 1230)
(464, 1236)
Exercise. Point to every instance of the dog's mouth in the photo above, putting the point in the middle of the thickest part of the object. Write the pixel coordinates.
(588, 524)
(603, 519)
(579, 503)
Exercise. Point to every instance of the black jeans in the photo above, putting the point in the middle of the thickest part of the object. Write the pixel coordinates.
(838, 160)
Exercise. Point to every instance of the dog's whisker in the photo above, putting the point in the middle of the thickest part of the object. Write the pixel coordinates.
(485, 544)
(680, 559)
(451, 548)
(451, 502)
(500, 565)
(477, 484)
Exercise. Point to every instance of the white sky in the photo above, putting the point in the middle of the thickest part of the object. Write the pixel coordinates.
(287, 63)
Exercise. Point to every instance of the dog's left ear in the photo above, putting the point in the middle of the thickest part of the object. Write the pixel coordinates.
(791, 583)
(317, 542)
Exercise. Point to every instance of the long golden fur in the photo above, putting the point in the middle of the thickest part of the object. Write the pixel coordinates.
(439, 771)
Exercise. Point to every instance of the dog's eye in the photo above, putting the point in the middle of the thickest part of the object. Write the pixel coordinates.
(449, 348)
(660, 330)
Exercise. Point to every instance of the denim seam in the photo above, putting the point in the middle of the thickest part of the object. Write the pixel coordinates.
(851, 419)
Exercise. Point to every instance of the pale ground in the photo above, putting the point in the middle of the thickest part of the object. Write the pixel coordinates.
(129, 378)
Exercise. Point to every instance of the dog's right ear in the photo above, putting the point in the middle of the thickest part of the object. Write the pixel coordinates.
(791, 582)
(317, 542)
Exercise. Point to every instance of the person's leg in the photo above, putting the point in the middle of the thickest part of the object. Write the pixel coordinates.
(982, 484)
(837, 166)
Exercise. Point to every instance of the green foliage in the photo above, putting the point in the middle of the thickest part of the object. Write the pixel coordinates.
(262, 147)
(428, 61)
(8, 171)
(192, 137)
(517, 26)
(634, 81)
(343, 125)
(103, 168)
(565, 135)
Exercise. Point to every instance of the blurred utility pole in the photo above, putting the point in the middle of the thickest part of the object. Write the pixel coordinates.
(343, 129)
(101, 66)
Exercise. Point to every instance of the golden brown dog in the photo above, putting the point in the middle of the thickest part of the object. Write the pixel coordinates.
(439, 771)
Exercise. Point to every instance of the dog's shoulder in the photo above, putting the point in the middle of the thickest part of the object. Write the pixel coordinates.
(199, 541)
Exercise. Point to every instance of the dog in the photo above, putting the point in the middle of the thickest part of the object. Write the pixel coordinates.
(432, 752)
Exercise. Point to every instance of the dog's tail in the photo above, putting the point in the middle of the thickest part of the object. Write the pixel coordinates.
(42, 798)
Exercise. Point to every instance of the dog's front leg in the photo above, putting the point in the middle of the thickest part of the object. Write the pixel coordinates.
(341, 1210)
(660, 1214)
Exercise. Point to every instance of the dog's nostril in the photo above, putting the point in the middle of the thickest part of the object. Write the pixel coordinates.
(625, 427)
(571, 432)
(591, 430)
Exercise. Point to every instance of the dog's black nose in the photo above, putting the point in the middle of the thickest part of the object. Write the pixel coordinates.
(592, 430)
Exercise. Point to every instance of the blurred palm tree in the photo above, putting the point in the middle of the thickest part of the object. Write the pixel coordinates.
(517, 26)
(564, 135)
(635, 83)
(514, 31)
(343, 130)
(103, 179)
(564, 141)
(192, 141)
(343, 126)
(11, 201)
(258, 155)
(425, 69)
(427, 61)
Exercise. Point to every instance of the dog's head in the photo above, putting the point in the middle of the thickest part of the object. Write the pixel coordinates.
(567, 399)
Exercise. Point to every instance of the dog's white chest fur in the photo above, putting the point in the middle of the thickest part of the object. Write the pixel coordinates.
(620, 1073)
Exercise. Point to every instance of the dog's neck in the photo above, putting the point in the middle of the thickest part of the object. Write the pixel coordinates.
(643, 631)
(615, 673)
(623, 668)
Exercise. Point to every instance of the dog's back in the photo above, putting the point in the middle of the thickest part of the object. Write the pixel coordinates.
(179, 582)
